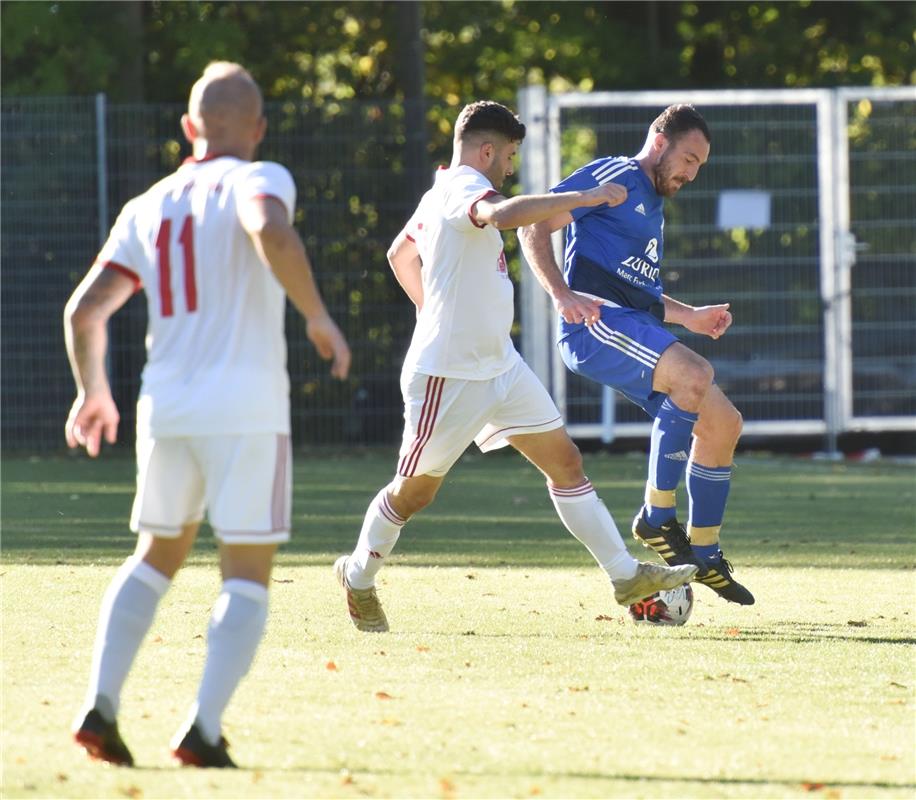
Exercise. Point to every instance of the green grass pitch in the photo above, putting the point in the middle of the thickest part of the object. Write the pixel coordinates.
(509, 670)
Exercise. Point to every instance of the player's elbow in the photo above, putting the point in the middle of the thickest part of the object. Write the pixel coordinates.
(81, 314)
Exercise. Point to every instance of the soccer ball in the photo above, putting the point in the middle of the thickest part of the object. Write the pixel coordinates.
(668, 607)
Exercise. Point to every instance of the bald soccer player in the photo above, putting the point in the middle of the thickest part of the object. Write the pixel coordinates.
(213, 248)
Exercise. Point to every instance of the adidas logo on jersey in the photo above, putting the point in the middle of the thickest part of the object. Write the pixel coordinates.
(680, 455)
(641, 209)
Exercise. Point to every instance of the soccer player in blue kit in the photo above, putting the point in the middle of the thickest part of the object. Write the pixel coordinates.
(612, 306)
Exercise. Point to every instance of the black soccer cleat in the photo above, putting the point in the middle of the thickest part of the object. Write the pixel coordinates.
(669, 540)
(718, 577)
(101, 740)
(194, 751)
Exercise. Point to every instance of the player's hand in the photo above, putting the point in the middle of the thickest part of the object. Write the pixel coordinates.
(611, 193)
(91, 418)
(575, 308)
(710, 321)
(330, 344)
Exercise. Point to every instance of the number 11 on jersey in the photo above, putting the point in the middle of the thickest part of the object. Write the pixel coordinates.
(164, 254)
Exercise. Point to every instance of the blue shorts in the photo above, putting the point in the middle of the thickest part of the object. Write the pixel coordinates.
(620, 351)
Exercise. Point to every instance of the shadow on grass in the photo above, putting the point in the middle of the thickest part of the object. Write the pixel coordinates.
(808, 784)
(491, 511)
(799, 633)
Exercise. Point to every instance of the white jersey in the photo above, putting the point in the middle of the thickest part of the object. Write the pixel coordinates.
(216, 348)
(463, 328)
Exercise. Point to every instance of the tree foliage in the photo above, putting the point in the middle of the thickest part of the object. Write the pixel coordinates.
(321, 52)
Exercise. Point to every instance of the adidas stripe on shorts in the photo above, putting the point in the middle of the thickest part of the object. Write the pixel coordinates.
(444, 415)
(621, 351)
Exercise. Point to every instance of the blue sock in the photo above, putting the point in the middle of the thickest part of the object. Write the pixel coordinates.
(708, 489)
(707, 553)
(668, 455)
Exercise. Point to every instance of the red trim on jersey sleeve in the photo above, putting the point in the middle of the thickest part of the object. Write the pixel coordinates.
(410, 238)
(126, 271)
(473, 205)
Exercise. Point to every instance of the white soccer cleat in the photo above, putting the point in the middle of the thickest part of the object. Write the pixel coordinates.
(649, 579)
(363, 604)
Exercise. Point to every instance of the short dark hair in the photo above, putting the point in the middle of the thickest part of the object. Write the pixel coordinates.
(679, 119)
(487, 116)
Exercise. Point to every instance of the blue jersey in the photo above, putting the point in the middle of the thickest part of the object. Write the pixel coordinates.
(616, 253)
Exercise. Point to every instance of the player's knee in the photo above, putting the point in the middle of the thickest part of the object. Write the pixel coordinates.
(694, 384)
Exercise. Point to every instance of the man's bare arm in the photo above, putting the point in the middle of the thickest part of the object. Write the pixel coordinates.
(406, 264)
(538, 250)
(266, 222)
(513, 212)
(710, 321)
(94, 413)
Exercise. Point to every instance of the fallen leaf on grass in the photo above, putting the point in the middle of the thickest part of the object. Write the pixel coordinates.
(383, 696)
(62, 777)
(283, 580)
(131, 791)
(812, 787)
(603, 618)
(446, 787)
(422, 648)
(898, 685)
(534, 791)
(394, 723)
(856, 623)
(331, 666)
(733, 631)
(578, 688)
(471, 576)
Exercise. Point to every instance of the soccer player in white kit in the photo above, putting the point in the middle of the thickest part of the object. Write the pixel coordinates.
(463, 379)
(213, 247)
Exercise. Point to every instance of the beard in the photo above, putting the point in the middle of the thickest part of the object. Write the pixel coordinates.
(666, 184)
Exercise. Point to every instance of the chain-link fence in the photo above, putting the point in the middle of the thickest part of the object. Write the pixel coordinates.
(70, 164)
(817, 346)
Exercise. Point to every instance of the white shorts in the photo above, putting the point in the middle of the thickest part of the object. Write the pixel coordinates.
(243, 483)
(444, 415)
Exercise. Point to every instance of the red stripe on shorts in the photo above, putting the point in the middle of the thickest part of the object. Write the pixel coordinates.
(428, 413)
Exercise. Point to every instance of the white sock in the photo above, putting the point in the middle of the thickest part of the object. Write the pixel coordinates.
(587, 518)
(381, 529)
(127, 612)
(236, 627)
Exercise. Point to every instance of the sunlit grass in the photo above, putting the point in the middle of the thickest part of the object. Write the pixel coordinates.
(509, 671)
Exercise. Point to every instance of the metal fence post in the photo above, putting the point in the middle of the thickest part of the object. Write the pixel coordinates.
(101, 160)
(535, 307)
(826, 179)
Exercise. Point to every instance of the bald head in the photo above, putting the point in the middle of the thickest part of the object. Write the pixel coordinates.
(225, 109)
